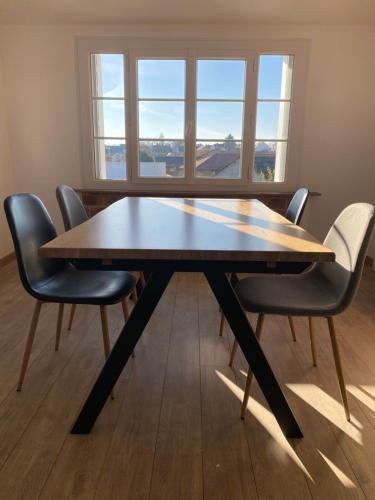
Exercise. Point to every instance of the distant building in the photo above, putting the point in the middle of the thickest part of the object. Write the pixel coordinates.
(174, 164)
(219, 164)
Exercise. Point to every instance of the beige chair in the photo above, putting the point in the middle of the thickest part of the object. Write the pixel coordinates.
(326, 290)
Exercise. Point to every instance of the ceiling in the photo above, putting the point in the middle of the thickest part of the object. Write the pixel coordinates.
(187, 11)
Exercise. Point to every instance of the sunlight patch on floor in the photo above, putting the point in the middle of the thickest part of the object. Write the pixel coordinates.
(341, 476)
(267, 420)
(370, 389)
(362, 396)
(329, 408)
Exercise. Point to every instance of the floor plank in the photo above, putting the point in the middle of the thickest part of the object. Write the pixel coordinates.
(227, 467)
(177, 471)
(128, 464)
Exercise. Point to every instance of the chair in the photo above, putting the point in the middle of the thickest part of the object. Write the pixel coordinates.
(55, 280)
(326, 290)
(294, 214)
(73, 213)
(297, 206)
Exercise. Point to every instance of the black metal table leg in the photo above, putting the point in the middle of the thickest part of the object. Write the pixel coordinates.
(124, 346)
(253, 352)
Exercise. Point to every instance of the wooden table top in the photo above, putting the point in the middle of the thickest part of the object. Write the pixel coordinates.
(188, 229)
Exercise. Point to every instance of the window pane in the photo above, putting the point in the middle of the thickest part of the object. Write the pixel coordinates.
(269, 161)
(161, 158)
(272, 120)
(109, 118)
(219, 120)
(159, 120)
(107, 75)
(110, 159)
(218, 159)
(158, 79)
(275, 77)
(220, 79)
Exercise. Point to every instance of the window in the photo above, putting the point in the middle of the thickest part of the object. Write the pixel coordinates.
(108, 114)
(219, 118)
(272, 122)
(215, 114)
(161, 117)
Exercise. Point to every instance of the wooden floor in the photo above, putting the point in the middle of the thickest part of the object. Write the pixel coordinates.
(173, 430)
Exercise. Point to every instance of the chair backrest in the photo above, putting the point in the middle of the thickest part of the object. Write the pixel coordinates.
(31, 227)
(349, 238)
(72, 210)
(297, 205)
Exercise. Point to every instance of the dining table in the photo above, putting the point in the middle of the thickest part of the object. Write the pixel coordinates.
(163, 235)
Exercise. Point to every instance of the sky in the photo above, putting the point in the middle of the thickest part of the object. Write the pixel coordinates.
(216, 79)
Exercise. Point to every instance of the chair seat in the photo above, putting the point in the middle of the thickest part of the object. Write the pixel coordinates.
(307, 294)
(72, 286)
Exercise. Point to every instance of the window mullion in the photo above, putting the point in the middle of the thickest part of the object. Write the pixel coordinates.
(190, 125)
(132, 117)
(249, 118)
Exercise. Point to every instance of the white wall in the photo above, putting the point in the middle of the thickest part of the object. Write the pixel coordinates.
(338, 157)
(5, 170)
(339, 145)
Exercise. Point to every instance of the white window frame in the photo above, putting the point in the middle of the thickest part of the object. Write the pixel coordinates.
(191, 50)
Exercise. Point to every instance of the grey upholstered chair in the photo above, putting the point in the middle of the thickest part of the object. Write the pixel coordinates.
(294, 214)
(74, 213)
(326, 290)
(55, 280)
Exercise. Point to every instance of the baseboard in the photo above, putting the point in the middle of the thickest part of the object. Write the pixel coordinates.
(8, 258)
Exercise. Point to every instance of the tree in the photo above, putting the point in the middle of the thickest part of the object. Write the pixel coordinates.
(230, 145)
(144, 156)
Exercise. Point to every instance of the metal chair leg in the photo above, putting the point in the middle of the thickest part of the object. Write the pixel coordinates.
(258, 333)
(71, 317)
(29, 343)
(292, 329)
(59, 326)
(106, 340)
(340, 375)
(312, 340)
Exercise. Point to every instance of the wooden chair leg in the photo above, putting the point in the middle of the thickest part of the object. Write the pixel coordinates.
(71, 317)
(258, 333)
(106, 340)
(142, 279)
(125, 310)
(233, 352)
(312, 340)
(59, 326)
(29, 343)
(292, 329)
(340, 375)
(222, 322)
